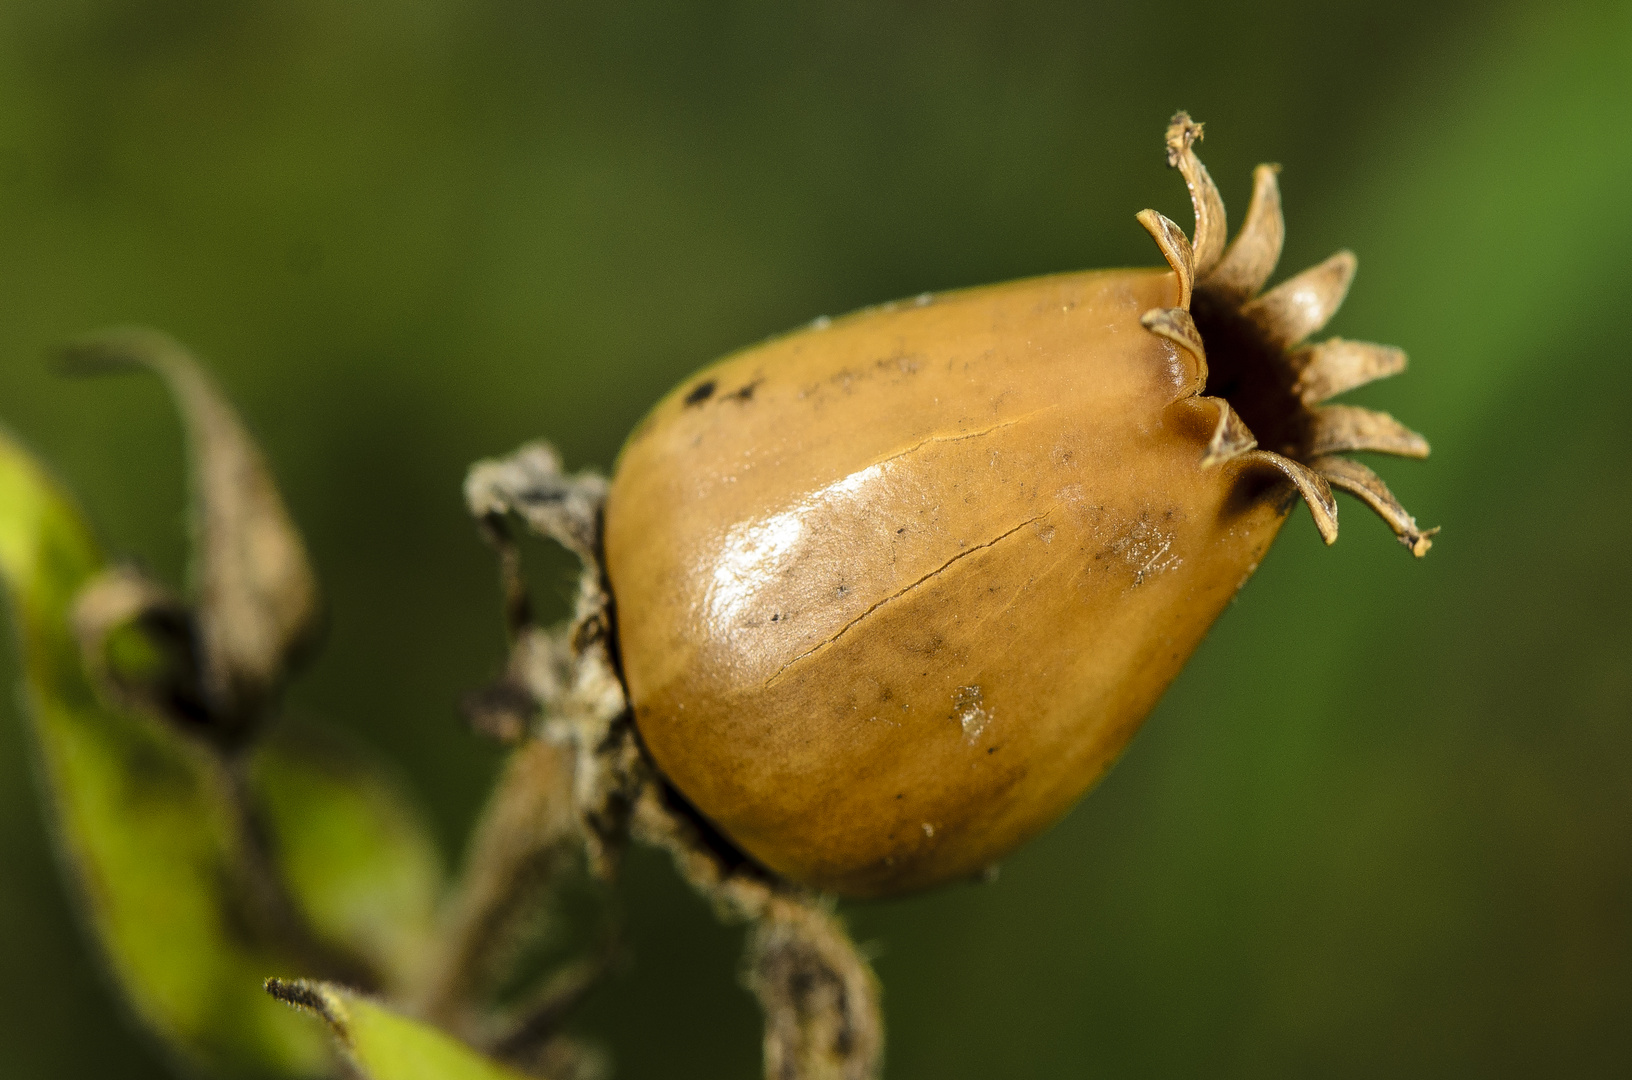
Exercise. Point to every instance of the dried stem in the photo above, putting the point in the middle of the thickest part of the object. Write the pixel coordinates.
(818, 992)
(528, 831)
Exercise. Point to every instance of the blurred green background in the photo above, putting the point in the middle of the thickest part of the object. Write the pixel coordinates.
(1383, 822)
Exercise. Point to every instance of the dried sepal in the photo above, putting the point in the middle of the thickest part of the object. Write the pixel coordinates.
(1333, 367)
(1175, 248)
(1317, 494)
(257, 603)
(531, 484)
(1301, 305)
(1338, 429)
(1176, 325)
(1252, 255)
(584, 704)
(1366, 485)
(1211, 228)
(1231, 437)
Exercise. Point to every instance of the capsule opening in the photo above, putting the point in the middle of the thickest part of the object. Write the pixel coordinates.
(1251, 356)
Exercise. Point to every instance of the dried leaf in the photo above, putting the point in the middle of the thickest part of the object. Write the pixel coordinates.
(1339, 429)
(1176, 325)
(382, 1044)
(1348, 428)
(144, 818)
(531, 484)
(527, 834)
(257, 605)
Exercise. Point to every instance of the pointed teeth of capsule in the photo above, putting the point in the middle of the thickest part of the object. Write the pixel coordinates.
(1339, 429)
(1176, 325)
(1301, 305)
(1211, 227)
(1316, 492)
(1336, 366)
(1252, 256)
(1231, 438)
(1175, 249)
(1366, 485)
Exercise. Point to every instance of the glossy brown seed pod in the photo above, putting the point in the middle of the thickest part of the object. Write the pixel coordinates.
(895, 589)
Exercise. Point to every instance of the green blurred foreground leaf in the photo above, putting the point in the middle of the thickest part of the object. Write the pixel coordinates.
(352, 850)
(143, 818)
(202, 873)
(384, 1045)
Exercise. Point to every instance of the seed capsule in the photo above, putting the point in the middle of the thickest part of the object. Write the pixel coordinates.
(895, 589)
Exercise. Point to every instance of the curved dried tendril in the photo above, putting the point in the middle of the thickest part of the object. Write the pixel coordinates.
(817, 989)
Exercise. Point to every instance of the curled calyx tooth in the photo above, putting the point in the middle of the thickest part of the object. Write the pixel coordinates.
(1316, 492)
(1367, 486)
(1252, 256)
(1301, 305)
(1211, 227)
(1176, 325)
(1336, 366)
(1220, 291)
(1175, 248)
(1231, 437)
(1337, 429)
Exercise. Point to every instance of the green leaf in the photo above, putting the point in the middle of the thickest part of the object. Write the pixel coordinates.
(384, 1045)
(351, 848)
(143, 818)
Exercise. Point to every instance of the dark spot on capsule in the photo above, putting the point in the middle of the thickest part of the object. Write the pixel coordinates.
(991, 749)
(901, 530)
(777, 617)
(902, 795)
(700, 393)
(746, 393)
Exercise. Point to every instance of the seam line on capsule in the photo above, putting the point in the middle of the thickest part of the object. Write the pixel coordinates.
(897, 595)
(913, 449)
